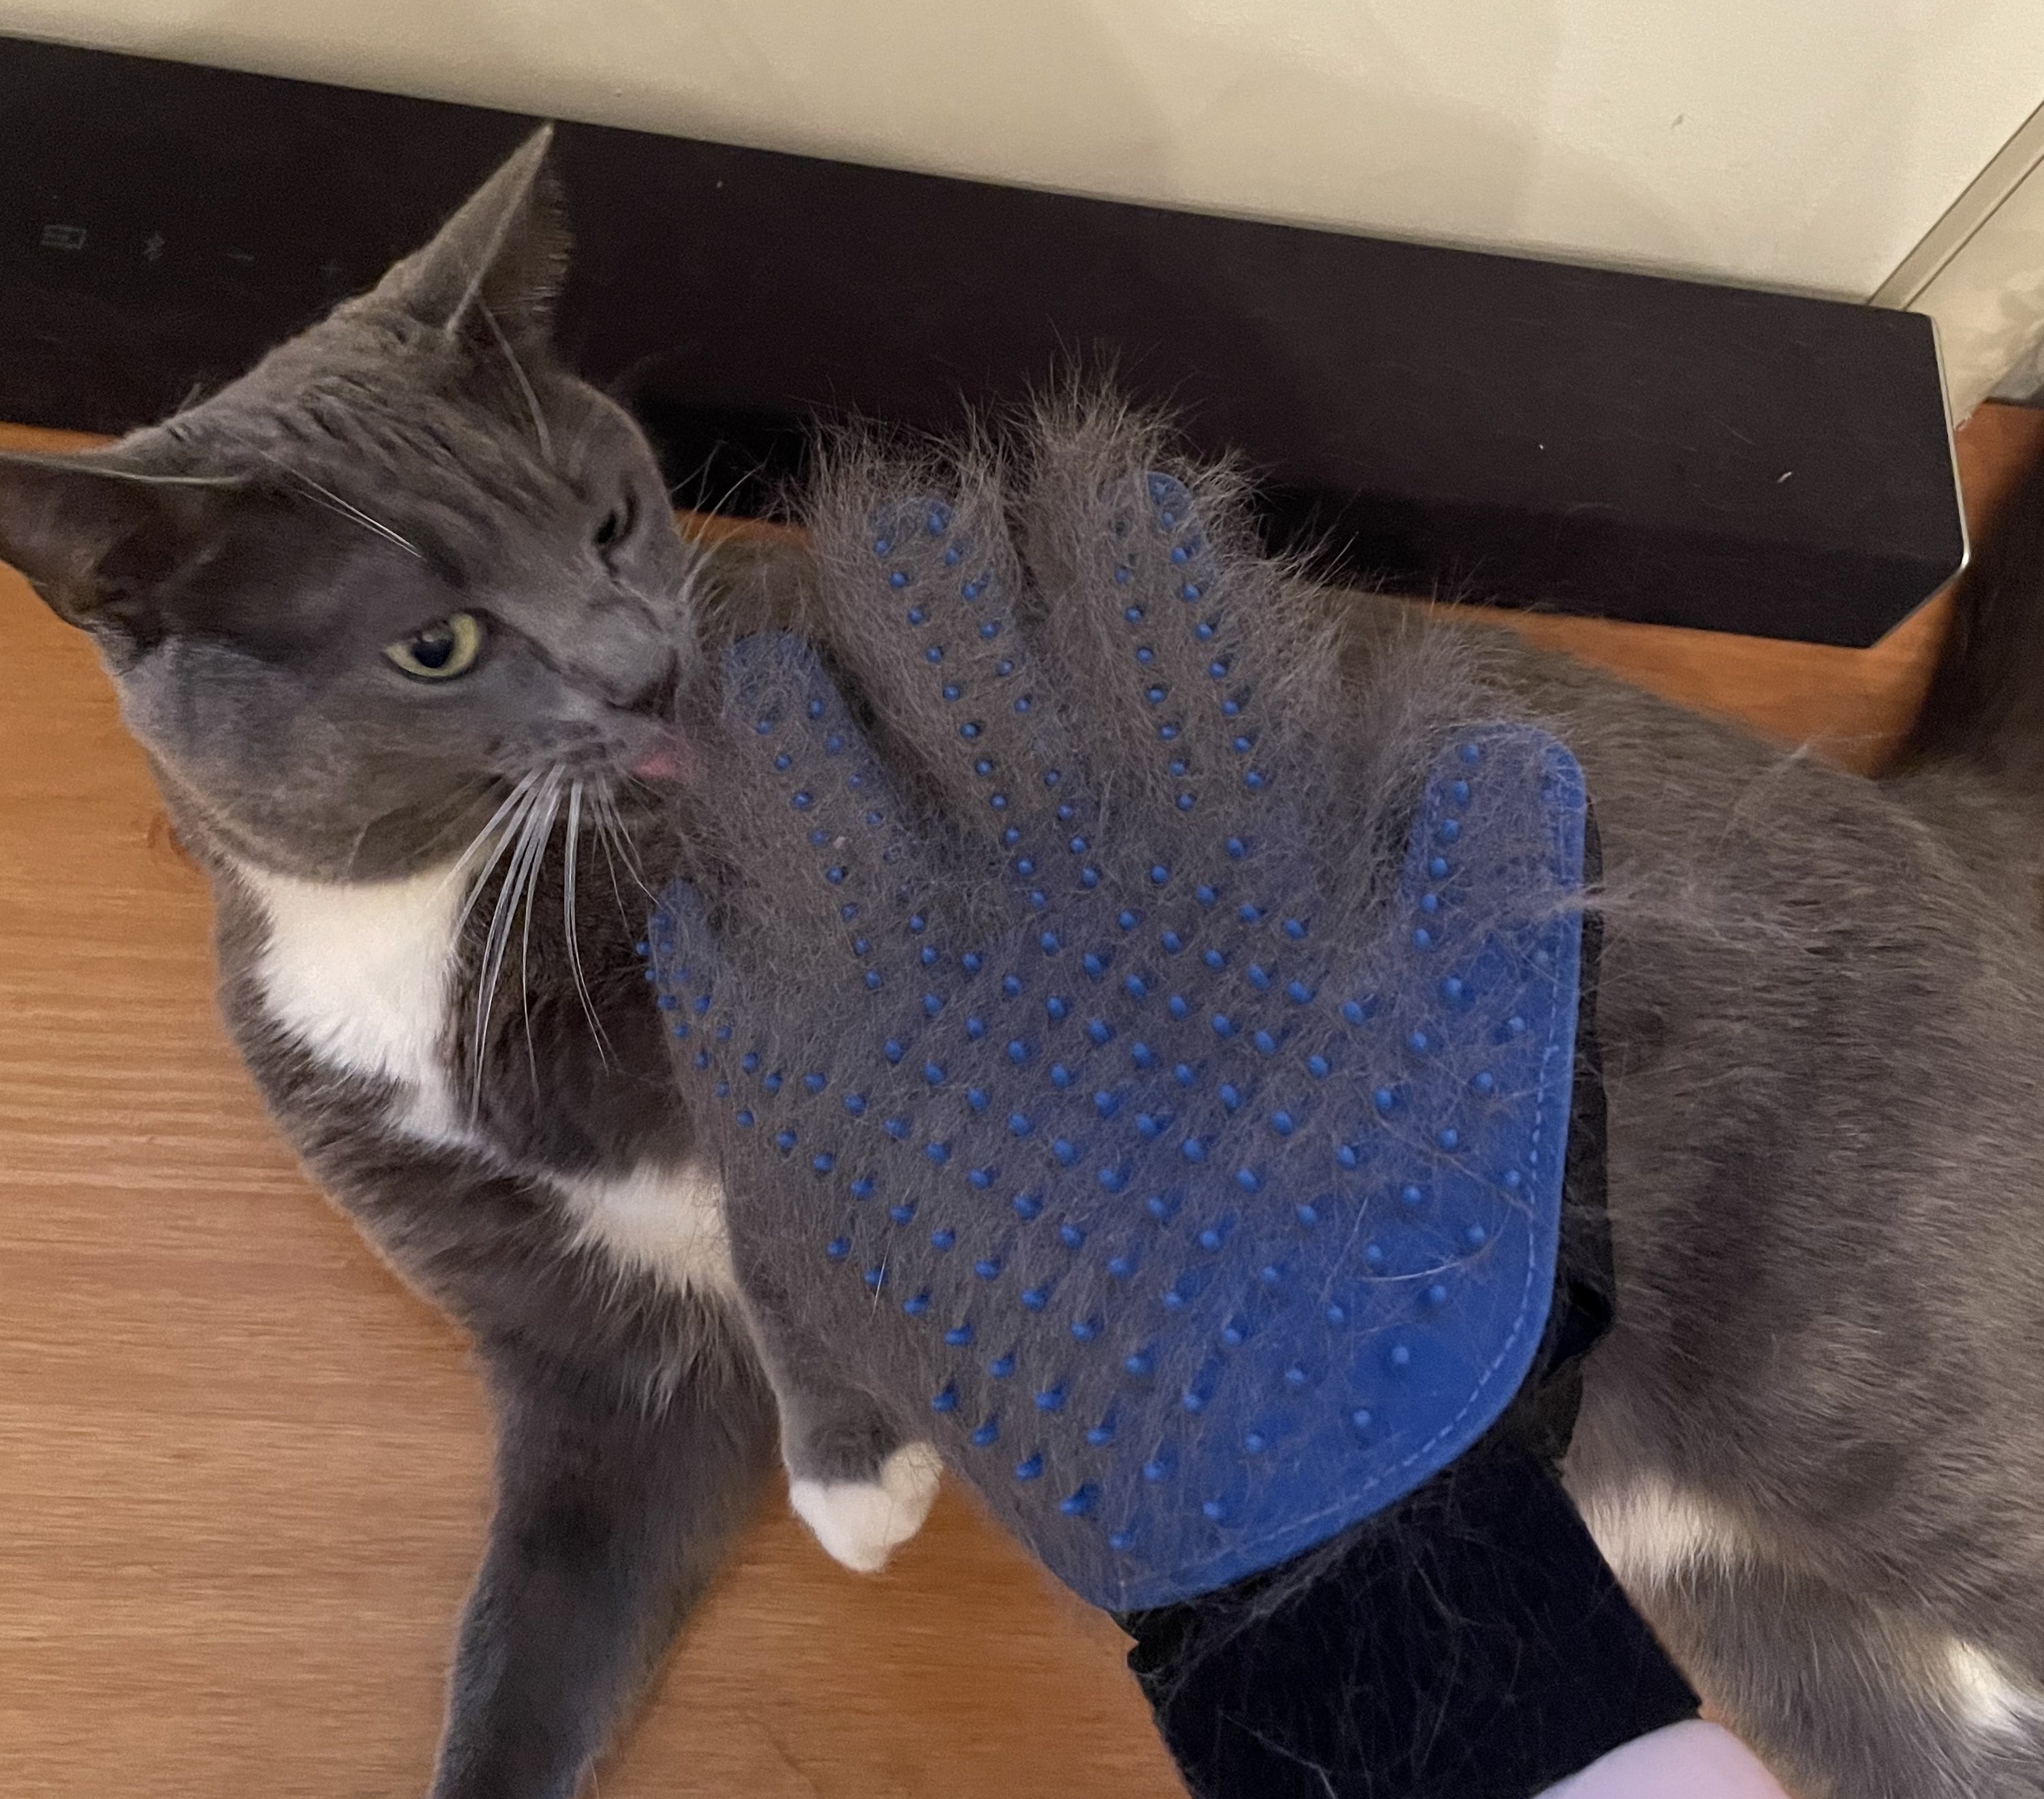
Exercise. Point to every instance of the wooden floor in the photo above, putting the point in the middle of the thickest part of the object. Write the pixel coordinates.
(243, 1473)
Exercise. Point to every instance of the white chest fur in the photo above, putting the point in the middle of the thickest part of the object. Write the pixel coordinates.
(364, 975)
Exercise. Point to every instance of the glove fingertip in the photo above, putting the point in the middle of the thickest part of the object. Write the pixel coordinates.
(680, 950)
(1516, 777)
(775, 678)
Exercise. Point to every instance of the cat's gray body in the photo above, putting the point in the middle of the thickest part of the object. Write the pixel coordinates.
(1811, 1444)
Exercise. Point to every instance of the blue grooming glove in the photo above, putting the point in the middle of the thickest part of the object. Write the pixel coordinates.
(1194, 1194)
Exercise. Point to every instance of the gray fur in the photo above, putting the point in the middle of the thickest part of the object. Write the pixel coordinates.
(1819, 996)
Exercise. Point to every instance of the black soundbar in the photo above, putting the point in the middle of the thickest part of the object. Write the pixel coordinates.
(1520, 431)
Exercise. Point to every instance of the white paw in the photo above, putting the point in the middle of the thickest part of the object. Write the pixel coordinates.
(862, 1522)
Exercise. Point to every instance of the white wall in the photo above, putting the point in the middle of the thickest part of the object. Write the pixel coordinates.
(1805, 144)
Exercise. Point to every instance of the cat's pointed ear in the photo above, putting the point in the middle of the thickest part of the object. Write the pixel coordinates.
(97, 534)
(499, 263)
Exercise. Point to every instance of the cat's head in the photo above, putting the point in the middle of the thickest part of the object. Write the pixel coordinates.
(353, 600)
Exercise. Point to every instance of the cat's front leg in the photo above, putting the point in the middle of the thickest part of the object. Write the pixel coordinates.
(862, 1519)
(862, 1483)
(614, 1510)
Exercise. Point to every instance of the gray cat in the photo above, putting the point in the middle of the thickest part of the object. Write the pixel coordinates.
(400, 621)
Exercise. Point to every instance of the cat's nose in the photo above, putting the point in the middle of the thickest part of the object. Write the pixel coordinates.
(657, 698)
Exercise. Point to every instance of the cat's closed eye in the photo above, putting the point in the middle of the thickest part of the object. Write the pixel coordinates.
(445, 649)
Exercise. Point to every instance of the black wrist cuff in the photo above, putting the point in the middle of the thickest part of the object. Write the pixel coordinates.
(1469, 1644)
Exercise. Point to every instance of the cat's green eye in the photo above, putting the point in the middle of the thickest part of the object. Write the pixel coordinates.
(442, 651)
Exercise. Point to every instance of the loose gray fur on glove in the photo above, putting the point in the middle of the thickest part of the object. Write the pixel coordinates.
(1092, 1108)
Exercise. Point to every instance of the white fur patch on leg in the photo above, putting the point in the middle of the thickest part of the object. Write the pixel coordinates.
(1651, 1532)
(668, 1222)
(862, 1522)
(1986, 1696)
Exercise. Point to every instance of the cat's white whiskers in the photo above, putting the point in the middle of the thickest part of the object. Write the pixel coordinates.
(676, 601)
(536, 863)
(627, 850)
(355, 846)
(508, 836)
(344, 508)
(490, 837)
(536, 819)
(363, 519)
(568, 921)
(604, 809)
(715, 509)
(485, 988)
(603, 835)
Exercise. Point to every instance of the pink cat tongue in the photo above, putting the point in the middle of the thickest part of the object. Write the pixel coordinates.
(666, 759)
